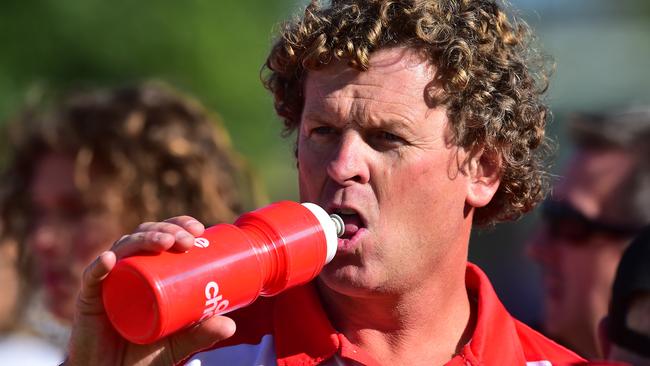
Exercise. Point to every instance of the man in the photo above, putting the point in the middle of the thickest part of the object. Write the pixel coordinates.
(625, 332)
(414, 120)
(599, 205)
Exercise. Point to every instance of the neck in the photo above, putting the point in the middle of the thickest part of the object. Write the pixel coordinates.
(427, 324)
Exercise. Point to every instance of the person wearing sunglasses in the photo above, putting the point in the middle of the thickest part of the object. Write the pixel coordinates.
(600, 202)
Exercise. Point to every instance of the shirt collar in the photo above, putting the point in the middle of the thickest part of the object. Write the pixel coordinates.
(495, 340)
(305, 336)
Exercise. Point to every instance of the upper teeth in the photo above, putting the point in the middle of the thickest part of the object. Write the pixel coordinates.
(347, 211)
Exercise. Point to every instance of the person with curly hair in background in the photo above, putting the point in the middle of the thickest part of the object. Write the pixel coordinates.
(93, 164)
(414, 121)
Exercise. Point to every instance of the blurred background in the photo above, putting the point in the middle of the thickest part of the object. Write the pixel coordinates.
(214, 50)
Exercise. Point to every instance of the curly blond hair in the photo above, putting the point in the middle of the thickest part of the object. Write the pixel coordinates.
(492, 79)
(165, 152)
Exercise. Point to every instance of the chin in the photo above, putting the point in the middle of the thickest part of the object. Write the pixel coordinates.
(62, 310)
(345, 280)
(352, 281)
(63, 315)
(557, 324)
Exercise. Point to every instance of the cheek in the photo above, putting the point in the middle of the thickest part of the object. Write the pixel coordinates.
(87, 248)
(423, 199)
(429, 183)
(607, 261)
(94, 237)
(579, 270)
(311, 170)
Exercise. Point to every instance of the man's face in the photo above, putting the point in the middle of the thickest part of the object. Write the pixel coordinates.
(66, 231)
(371, 149)
(577, 258)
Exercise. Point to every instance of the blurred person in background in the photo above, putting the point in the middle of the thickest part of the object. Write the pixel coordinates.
(8, 283)
(95, 165)
(625, 332)
(601, 202)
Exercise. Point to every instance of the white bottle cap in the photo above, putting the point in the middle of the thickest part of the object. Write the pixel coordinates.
(329, 227)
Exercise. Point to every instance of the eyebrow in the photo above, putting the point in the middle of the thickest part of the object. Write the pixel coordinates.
(67, 199)
(392, 122)
(395, 124)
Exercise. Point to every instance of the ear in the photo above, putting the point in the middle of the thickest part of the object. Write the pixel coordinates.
(484, 172)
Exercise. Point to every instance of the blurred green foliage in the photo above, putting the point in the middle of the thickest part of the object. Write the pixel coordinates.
(212, 49)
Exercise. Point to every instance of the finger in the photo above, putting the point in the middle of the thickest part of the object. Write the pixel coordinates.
(191, 229)
(89, 300)
(184, 229)
(146, 241)
(200, 337)
(190, 224)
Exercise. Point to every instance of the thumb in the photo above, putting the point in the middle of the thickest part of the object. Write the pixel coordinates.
(89, 299)
(202, 336)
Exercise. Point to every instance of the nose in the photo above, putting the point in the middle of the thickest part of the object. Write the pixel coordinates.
(45, 239)
(349, 164)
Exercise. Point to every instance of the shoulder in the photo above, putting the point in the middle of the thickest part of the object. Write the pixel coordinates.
(500, 339)
(538, 347)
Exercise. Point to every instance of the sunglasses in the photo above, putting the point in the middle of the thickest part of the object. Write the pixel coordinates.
(563, 220)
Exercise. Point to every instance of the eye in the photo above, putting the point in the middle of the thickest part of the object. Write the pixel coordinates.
(323, 134)
(387, 136)
(322, 131)
(384, 140)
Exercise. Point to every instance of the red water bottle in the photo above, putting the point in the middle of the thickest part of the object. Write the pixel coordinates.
(264, 252)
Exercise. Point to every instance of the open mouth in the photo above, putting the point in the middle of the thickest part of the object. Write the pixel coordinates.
(352, 220)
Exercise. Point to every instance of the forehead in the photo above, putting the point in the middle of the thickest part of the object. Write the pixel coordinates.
(592, 176)
(53, 184)
(395, 75)
(53, 173)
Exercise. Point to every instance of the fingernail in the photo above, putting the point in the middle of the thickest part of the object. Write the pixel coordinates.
(195, 225)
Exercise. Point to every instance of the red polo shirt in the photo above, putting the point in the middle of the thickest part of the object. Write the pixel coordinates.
(292, 329)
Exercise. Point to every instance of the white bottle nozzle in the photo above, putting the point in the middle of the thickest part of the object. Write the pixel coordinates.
(340, 225)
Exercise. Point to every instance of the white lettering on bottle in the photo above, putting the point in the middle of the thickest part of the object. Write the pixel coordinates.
(214, 303)
(201, 243)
